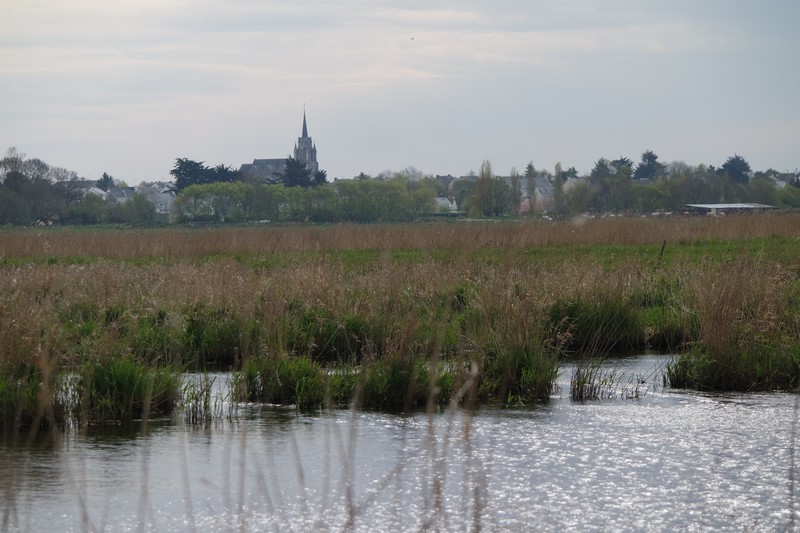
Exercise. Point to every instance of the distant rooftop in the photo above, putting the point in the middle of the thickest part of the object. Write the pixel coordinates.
(716, 208)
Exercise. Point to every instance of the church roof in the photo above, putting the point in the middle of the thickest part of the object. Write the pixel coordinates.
(305, 128)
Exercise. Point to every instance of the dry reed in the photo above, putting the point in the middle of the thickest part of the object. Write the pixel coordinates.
(493, 294)
(193, 243)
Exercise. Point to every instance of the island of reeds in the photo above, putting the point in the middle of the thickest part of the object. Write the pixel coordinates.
(99, 325)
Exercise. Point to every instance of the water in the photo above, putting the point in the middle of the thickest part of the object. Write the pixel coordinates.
(665, 461)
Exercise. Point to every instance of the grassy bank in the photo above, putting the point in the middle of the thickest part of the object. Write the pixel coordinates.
(395, 317)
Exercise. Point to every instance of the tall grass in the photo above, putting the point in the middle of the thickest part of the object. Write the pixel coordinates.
(124, 389)
(78, 244)
(749, 325)
(408, 309)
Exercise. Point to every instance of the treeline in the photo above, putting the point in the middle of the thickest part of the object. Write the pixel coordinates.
(31, 191)
(616, 186)
(395, 199)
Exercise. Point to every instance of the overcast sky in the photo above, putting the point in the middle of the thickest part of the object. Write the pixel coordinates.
(128, 86)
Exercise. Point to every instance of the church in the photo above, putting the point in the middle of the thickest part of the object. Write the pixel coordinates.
(305, 151)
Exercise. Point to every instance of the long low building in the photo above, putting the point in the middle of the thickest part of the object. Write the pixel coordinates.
(716, 209)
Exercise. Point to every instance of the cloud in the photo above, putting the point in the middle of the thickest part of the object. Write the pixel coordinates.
(141, 67)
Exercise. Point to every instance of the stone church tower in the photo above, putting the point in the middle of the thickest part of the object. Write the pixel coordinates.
(305, 150)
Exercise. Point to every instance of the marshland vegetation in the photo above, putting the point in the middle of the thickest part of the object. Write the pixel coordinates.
(98, 324)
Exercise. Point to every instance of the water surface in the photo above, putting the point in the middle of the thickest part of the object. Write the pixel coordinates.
(664, 461)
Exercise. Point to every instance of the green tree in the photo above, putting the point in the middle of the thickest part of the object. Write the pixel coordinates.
(295, 174)
(504, 200)
(193, 204)
(357, 200)
(320, 178)
(462, 191)
(187, 173)
(222, 174)
(622, 168)
(736, 168)
(226, 200)
(105, 182)
(516, 190)
(762, 190)
(137, 210)
(559, 204)
(649, 168)
(570, 173)
(530, 181)
(92, 209)
(482, 201)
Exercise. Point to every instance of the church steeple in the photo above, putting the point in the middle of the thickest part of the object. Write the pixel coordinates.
(305, 150)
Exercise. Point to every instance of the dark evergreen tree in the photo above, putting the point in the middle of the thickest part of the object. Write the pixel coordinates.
(570, 173)
(649, 168)
(736, 168)
(187, 172)
(295, 174)
(106, 182)
(320, 178)
(222, 174)
(622, 167)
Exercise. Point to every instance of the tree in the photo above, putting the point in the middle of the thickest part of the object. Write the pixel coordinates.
(106, 182)
(558, 190)
(649, 168)
(68, 183)
(320, 178)
(295, 174)
(222, 174)
(137, 210)
(570, 173)
(504, 203)
(187, 172)
(622, 168)
(194, 204)
(530, 180)
(12, 161)
(462, 192)
(91, 210)
(482, 197)
(736, 168)
(762, 190)
(516, 191)
(602, 170)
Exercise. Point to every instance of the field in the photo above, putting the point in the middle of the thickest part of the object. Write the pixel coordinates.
(98, 324)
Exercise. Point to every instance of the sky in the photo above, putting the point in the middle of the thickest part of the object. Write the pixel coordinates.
(128, 86)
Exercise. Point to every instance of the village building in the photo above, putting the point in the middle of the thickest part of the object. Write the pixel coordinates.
(305, 151)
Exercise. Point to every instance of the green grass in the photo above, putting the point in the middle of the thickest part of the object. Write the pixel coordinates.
(28, 398)
(123, 389)
(394, 317)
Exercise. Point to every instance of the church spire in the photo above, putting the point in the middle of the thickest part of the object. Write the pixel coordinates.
(305, 150)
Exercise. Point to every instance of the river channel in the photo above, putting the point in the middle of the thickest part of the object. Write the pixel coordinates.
(642, 458)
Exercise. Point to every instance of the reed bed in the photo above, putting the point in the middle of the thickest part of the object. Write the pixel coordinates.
(749, 321)
(395, 317)
(183, 242)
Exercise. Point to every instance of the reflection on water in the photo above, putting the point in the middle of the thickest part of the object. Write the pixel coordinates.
(668, 460)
